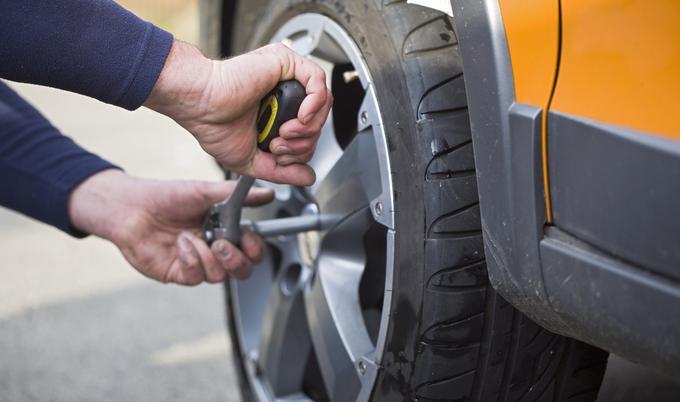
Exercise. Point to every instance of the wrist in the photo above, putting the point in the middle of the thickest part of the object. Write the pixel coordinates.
(182, 83)
(98, 205)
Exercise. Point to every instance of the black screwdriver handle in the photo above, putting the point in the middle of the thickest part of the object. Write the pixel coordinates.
(279, 106)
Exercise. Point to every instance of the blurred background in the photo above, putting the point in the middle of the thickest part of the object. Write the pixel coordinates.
(78, 324)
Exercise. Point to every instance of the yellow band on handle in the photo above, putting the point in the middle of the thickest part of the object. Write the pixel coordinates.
(273, 104)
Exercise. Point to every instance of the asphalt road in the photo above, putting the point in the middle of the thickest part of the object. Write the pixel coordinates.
(78, 324)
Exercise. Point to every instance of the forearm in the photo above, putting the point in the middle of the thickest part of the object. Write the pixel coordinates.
(39, 167)
(92, 47)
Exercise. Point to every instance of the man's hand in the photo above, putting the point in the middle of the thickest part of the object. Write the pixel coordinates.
(217, 101)
(156, 225)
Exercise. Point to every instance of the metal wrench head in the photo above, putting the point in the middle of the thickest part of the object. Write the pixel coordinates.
(223, 219)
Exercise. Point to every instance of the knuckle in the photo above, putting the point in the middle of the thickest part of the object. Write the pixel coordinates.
(193, 282)
(243, 271)
(232, 261)
(217, 277)
(193, 266)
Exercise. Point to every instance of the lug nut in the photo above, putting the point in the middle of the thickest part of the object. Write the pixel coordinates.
(362, 367)
(364, 117)
(378, 208)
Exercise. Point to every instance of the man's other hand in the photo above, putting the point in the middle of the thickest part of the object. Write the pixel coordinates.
(157, 224)
(217, 101)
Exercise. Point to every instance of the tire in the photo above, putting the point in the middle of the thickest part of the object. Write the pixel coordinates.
(451, 337)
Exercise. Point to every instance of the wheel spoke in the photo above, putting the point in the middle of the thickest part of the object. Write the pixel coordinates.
(313, 41)
(332, 305)
(353, 181)
(285, 343)
(303, 41)
(327, 153)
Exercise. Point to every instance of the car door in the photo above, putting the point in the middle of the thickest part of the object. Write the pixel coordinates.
(613, 130)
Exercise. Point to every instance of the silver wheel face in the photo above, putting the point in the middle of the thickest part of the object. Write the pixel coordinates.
(310, 322)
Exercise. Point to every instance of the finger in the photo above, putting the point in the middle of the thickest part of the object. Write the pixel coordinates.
(189, 270)
(176, 274)
(252, 246)
(297, 129)
(214, 273)
(287, 160)
(313, 78)
(259, 196)
(297, 146)
(265, 167)
(233, 261)
(310, 75)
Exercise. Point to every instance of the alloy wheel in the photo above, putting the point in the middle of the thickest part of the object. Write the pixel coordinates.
(311, 321)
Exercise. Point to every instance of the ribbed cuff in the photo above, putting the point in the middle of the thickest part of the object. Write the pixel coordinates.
(153, 54)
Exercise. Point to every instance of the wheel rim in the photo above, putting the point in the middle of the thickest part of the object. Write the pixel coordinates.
(310, 322)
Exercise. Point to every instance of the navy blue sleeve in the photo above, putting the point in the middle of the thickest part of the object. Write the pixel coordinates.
(39, 167)
(92, 47)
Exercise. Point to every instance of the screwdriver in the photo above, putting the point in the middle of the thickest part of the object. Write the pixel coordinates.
(223, 220)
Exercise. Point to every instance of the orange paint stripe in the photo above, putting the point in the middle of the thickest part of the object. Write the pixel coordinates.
(544, 157)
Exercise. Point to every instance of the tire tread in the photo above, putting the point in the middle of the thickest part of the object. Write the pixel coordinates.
(516, 359)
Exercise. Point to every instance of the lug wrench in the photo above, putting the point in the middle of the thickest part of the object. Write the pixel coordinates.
(224, 219)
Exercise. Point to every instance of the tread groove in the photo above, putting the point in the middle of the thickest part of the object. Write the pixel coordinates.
(432, 49)
(451, 175)
(450, 150)
(539, 378)
(441, 380)
(458, 267)
(459, 290)
(512, 356)
(434, 88)
(421, 25)
(448, 346)
(454, 270)
(593, 390)
(432, 114)
(456, 234)
(485, 357)
(453, 322)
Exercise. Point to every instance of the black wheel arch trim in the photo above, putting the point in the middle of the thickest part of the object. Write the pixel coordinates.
(532, 265)
(507, 142)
